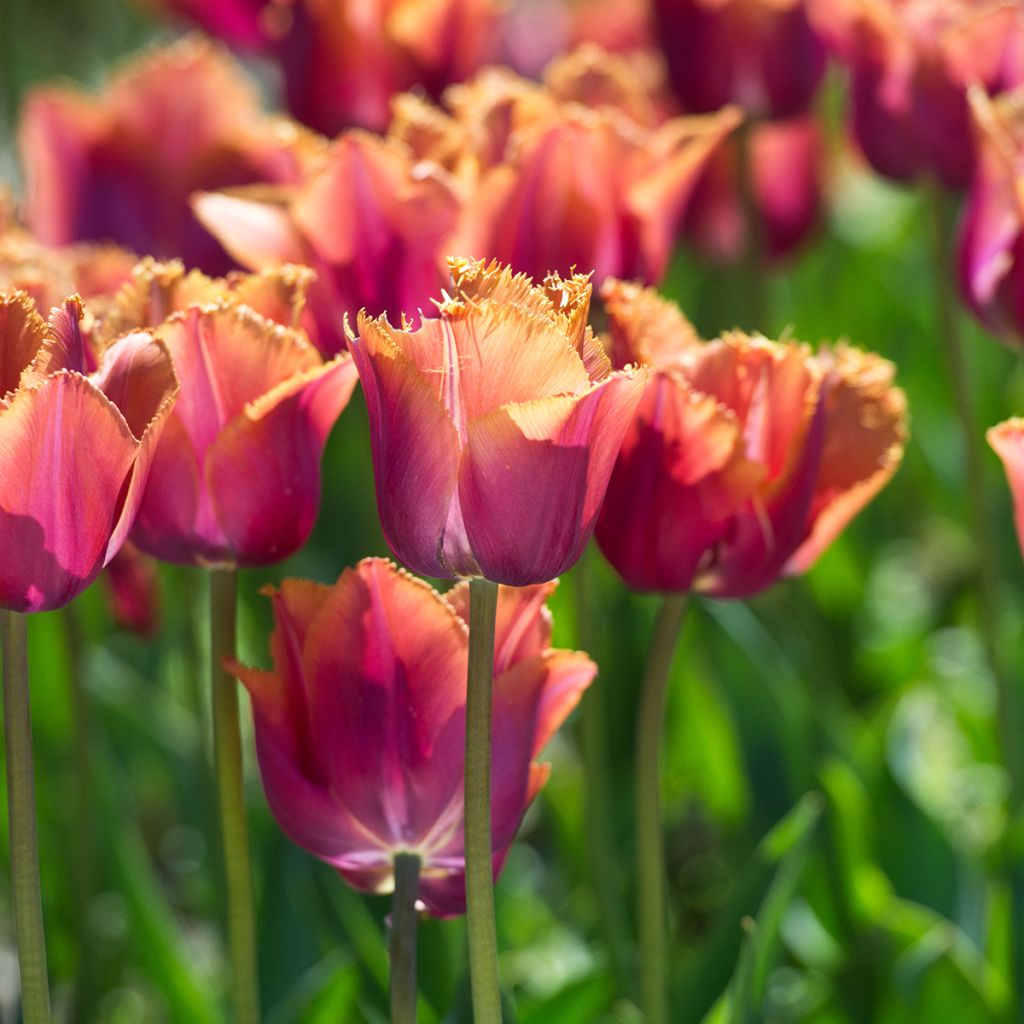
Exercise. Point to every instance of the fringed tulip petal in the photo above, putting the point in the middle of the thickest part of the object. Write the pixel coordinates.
(23, 332)
(255, 229)
(525, 461)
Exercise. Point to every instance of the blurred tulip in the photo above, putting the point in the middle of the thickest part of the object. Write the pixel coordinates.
(76, 449)
(911, 62)
(746, 457)
(132, 588)
(786, 161)
(360, 726)
(120, 167)
(575, 174)
(760, 54)
(370, 222)
(991, 256)
(342, 62)
(236, 477)
(1007, 441)
(494, 426)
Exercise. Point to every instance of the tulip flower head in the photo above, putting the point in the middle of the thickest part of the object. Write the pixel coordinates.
(76, 449)
(494, 426)
(760, 54)
(120, 167)
(236, 477)
(911, 62)
(991, 244)
(370, 205)
(746, 457)
(575, 173)
(360, 727)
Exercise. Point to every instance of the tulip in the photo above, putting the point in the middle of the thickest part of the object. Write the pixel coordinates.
(746, 457)
(786, 159)
(236, 476)
(360, 726)
(1007, 441)
(67, 507)
(133, 591)
(760, 54)
(370, 221)
(911, 64)
(76, 451)
(342, 62)
(120, 167)
(554, 184)
(494, 426)
(991, 243)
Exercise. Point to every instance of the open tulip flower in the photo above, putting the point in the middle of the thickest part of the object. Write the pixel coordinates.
(911, 62)
(236, 476)
(761, 54)
(494, 426)
(76, 449)
(342, 62)
(371, 204)
(551, 183)
(746, 457)
(120, 167)
(360, 726)
(991, 244)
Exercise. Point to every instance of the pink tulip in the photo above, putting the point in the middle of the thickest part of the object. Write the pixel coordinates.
(120, 167)
(746, 457)
(370, 221)
(342, 62)
(360, 727)
(991, 245)
(494, 427)
(133, 592)
(760, 54)
(76, 450)
(236, 477)
(911, 62)
(786, 168)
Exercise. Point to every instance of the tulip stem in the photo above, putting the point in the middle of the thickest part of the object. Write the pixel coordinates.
(753, 260)
(650, 861)
(402, 942)
(483, 943)
(21, 809)
(227, 756)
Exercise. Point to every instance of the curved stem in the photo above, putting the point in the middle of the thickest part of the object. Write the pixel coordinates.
(21, 809)
(603, 865)
(227, 756)
(402, 942)
(483, 943)
(753, 264)
(650, 860)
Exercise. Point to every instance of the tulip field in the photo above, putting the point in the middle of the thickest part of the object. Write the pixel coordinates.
(512, 511)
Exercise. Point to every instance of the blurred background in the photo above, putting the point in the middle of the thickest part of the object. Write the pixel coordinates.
(839, 844)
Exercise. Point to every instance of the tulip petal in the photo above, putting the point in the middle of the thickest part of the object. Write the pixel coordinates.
(644, 327)
(22, 334)
(415, 454)
(522, 622)
(66, 453)
(254, 226)
(385, 661)
(63, 348)
(534, 475)
(1007, 441)
(263, 470)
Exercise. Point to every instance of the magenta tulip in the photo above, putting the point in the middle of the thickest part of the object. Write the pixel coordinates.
(360, 727)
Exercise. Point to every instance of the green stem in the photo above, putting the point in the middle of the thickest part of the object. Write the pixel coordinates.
(753, 262)
(483, 943)
(601, 857)
(402, 943)
(650, 860)
(227, 756)
(84, 813)
(21, 808)
(1008, 709)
